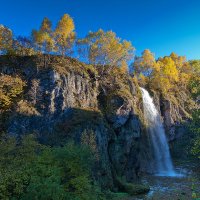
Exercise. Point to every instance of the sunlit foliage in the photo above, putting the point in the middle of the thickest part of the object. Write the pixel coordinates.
(105, 48)
(10, 89)
(5, 39)
(43, 38)
(60, 40)
(64, 34)
(145, 63)
(164, 74)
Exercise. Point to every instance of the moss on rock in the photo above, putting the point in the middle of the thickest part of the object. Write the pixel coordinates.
(130, 188)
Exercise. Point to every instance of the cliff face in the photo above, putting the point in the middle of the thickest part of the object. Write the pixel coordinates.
(99, 106)
(175, 110)
(67, 100)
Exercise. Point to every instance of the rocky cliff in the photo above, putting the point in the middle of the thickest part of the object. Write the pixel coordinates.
(67, 100)
(175, 109)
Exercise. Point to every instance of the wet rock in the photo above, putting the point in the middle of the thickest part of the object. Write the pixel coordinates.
(132, 189)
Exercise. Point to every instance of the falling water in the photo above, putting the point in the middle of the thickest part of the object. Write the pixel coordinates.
(162, 158)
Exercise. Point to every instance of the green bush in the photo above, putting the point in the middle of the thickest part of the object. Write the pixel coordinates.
(195, 129)
(32, 171)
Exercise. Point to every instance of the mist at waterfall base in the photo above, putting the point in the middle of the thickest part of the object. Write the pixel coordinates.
(162, 157)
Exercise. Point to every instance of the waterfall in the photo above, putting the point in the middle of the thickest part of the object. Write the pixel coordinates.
(162, 158)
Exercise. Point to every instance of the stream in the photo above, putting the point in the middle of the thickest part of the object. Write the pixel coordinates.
(185, 186)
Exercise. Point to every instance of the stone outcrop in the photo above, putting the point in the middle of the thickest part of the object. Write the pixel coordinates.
(65, 99)
(175, 111)
(68, 100)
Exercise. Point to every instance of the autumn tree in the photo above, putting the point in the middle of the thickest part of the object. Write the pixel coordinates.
(10, 89)
(179, 60)
(124, 66)
(143, 80)
(5, 39)
(183, 68)
(43, 38)
(164, 75)
(22, 46)
(105, 48)
(11, 45)
(65, 35)
(145, 63)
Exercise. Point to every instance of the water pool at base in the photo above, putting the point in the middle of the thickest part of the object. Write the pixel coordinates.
(183, 186)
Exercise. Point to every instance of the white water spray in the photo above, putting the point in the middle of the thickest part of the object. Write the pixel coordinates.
(162, 158)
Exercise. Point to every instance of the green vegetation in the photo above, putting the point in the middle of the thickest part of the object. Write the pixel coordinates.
(195, 129)
(30, 170)
(194, 83)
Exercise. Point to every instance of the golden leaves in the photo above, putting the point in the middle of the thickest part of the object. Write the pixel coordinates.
(106, 48)
(5, 38)
(60, 40)
(10, 88)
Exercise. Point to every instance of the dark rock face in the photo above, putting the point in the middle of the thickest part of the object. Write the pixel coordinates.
(65, 100)
(174, 110)
(51, 95)
(172, 117)
(124, 146)
(68, 100)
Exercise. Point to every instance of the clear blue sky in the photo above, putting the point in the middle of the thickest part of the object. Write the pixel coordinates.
(162, 26)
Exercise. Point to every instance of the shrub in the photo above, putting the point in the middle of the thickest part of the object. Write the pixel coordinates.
(29, 170)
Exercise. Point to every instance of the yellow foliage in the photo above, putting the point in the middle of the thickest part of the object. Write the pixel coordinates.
(10, 88)
(105, 48)
(143, 79)
(124, 67)
(194, 82)
(46, 26)
(44, 38)
(64, 34)
(168, 69)
(145, 63)
(65, 26)
(164, 75)
(22, 46)
(179, 60)
(5, 38)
